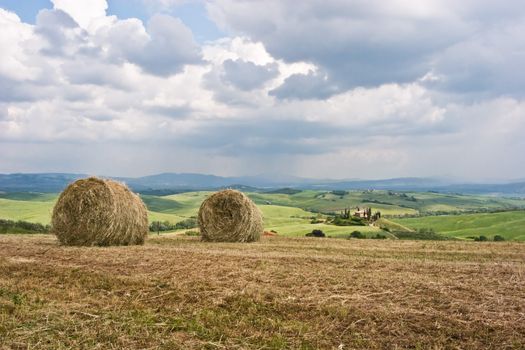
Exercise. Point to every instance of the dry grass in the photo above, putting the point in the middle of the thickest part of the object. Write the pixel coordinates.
(95, 211)
(180, 293)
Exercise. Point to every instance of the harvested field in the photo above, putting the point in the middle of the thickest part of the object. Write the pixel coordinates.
(180, 293)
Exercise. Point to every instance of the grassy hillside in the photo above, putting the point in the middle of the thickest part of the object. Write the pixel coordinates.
(388, 202)
(290, 213)
(390, 225)
(510, 225)
(27, 210)
(38, 209)
(320, 201)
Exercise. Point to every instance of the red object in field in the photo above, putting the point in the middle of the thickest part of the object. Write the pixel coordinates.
(269, 234)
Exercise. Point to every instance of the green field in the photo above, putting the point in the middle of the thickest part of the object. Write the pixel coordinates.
(510, 225)
(388, 202)
(290, 214)
(27, 210)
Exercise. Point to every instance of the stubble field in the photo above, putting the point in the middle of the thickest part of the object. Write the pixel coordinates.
(298, 293)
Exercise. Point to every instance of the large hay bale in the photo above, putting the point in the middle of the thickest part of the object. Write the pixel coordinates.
(230, 216)
(99, 212)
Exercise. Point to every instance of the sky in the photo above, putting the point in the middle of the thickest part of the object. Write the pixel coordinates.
(318, 88)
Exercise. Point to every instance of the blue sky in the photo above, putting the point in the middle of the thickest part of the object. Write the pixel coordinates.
(192, 13)
(331, 89)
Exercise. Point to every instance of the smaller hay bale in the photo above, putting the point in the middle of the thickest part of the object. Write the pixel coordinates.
(99, 212)
(230, 216)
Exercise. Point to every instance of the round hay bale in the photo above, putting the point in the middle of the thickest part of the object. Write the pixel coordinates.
(99, 212)
(230, 216)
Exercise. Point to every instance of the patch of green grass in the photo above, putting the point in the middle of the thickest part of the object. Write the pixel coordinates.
(388, 202)
(300, 230)
(290, 213)
(32, 211)
(161, 204)
(29, 196)
(172, 218)
(276, 215)
(510, 225)
(391, 226)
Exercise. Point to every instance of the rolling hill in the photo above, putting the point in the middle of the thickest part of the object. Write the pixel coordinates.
(168, 183)
(290, 212)
(510, 225)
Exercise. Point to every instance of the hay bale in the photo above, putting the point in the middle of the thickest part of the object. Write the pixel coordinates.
(230, 216)
(99, 212)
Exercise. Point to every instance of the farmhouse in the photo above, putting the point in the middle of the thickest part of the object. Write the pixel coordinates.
(364, 213)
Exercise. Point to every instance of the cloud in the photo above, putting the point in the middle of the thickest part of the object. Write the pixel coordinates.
(84, 12)
(470, 44)
(62, 35)
(171, 46)
(342, 90)
(12, 90)
(246, 75)
(491, 63)
(14, 37)
(163, 49)
(95, 72)
(313, 85)
(263, 137)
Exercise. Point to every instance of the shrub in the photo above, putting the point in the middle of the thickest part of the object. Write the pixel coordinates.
(498, 238)
(339, 193)
(10, 226)
(379, 236)
(352, 221)
(357, 234)
(186, 224)
(316, 220)
(421, 234)
(481, 239)
(192, 233)
(316, 233)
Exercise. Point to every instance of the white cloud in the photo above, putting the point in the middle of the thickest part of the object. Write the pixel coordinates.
(14, 37)
(84, 12)
(123, 97)
(163, 48)
(475, 46)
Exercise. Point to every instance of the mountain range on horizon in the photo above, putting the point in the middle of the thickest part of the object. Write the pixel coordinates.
(178, 182)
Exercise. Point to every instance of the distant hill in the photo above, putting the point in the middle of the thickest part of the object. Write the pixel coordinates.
(400, 184)
(514, 188)
(168, 183)
(41, 182)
